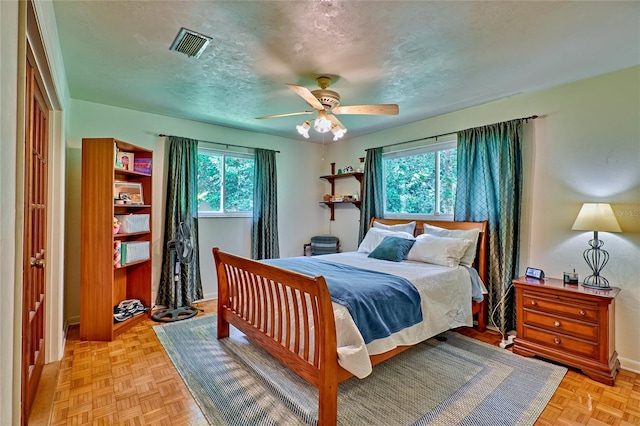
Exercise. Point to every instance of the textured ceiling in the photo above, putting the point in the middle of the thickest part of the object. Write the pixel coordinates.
(429, 57)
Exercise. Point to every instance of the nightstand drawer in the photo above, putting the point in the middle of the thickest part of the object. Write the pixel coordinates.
(561, 342)
(585, 330)
(573, 308)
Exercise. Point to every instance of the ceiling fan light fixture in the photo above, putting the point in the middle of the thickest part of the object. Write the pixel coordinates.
(328, 102)
(322, 124)
(338, 132)
(303, 129)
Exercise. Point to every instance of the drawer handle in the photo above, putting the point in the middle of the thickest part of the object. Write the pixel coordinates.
(533, 302)
(581, 312)
(556, 341)
(556, 323)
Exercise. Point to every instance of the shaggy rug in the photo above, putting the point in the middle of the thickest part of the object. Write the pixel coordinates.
(457, 381)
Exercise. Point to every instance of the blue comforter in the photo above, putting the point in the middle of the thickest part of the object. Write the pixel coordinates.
(380, 304)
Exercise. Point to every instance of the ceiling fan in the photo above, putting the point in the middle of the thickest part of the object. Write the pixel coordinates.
(327, 103)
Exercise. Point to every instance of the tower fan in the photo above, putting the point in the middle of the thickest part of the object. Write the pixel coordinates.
(181, 249)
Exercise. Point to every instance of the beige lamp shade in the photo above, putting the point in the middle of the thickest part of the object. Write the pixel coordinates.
(596, 217)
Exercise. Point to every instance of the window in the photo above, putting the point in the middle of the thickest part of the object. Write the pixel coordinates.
(420, 181)
(225, 183)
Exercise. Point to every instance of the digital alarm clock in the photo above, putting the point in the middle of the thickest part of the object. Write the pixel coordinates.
(534, 273)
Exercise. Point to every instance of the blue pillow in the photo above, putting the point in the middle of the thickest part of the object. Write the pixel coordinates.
(394, 249)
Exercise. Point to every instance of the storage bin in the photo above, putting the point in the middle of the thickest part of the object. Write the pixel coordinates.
(133, 251)
(130, 223)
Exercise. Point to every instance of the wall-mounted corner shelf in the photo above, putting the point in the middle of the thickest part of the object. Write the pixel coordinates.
(332, 180)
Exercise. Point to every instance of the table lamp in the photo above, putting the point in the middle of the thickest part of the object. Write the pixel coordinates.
(596, 217)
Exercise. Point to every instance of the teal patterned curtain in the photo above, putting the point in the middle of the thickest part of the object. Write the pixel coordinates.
(490, 188)
(264, 241)
(372, 198)
(182, 189)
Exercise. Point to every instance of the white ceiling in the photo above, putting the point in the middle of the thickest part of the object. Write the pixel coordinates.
(429, 57)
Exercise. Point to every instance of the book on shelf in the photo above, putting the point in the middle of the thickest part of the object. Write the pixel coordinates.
(117, 254)
(142, 165)
(125, 160)
(123, 254)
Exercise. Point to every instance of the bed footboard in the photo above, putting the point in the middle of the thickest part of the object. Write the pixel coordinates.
(288, 314)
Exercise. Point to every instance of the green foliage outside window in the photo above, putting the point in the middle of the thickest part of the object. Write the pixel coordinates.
(209, 182)
(421, 183)
(448, 179)
(410, 184)
(238, 184)
(225, 182)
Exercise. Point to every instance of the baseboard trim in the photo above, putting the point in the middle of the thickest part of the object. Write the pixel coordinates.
(73, 321)
(629, 365)
(208, 296)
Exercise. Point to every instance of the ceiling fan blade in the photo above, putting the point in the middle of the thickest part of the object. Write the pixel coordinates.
(306, 94)
(379, 109)
(288, 114)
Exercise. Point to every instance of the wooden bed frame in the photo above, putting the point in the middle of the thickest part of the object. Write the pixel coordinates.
(287, 313)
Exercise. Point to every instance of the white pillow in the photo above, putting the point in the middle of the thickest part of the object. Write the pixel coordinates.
(445, 251)
(467, 234)
(409, 227)
(375, 236)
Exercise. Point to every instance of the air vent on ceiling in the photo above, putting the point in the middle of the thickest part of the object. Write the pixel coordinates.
(190, 43)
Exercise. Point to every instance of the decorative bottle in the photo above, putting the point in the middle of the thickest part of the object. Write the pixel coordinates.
(361, 166)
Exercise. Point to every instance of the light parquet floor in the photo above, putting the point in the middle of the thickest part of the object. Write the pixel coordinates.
(131, 381)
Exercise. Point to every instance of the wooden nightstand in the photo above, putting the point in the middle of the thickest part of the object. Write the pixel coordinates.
(570, 324)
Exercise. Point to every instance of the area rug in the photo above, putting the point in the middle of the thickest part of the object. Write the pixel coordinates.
(449, 380)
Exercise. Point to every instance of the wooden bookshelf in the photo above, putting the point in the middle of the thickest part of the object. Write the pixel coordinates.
(103, 285)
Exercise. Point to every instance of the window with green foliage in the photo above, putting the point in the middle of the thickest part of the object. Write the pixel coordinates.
(420, 181)
(225, 183)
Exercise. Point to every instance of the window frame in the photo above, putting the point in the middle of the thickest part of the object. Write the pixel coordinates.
(435, 147)
(224, 154)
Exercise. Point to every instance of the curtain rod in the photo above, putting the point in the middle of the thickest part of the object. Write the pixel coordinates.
(533, 117)
(221, 143)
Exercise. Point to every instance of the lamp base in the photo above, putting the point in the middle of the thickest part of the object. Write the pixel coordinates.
(596, 257)
(597, 282)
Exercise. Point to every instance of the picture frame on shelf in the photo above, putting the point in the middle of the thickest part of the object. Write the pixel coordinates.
(128, 192)
(142, 165)
(125, 160)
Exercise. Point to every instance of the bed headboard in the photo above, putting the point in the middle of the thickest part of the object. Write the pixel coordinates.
(480, 262)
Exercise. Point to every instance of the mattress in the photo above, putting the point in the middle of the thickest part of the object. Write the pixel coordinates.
(445, 299)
